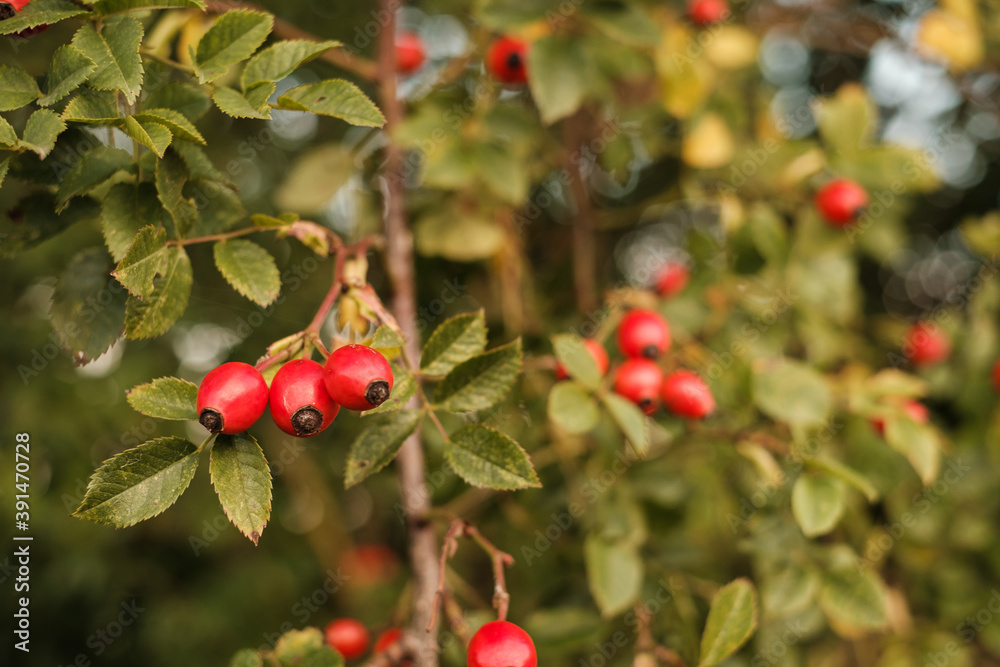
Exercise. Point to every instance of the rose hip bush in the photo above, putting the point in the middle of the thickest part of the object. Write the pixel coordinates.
(616, 333)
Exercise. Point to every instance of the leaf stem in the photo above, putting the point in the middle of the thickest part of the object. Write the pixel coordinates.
(206, 441)
(224, 236)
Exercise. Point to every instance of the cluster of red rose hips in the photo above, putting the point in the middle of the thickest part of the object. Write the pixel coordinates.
(304, 396)
(495, 644)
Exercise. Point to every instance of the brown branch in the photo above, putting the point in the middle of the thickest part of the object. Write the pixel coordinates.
(584, 250)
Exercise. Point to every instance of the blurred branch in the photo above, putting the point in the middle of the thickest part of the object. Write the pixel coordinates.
(584, 252)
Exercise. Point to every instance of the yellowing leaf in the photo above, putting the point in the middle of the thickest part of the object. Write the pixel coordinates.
(686, 80)
(734, 47)
(709, 145)
(947, 37)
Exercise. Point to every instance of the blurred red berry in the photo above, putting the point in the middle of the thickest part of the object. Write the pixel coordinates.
(686, 395)
(643, 333)
(925, 343)
(348, 636)
(841, 201)
(505, 59)
(672, 279)
(639, 381)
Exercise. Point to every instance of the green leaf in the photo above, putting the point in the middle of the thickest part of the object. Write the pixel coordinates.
(557, 70)
(279, 60)
(70, 67)
(315, 177)
(17, 87)
(246, 658)
(378, 444)
(187, 100)
(145, 259)
(174, 121)
(152, 135)
(404, 386)
(249, 269)
(7, 135)
(386, 338)
(39, 221)
(481, 381)
(4, 167)
(165, 398)
(577, 360)
(917, 442)
(455, 340)
(487, 458)
(234, 37)
(854, 599)
(125, 210)
(614, 573)
(93, 168)
(306, 648)
(792, 392)
(242, 479)
(115, 50)
(847, 121)
(573, 408)
(218, 209)
(171, 175)
(88, 308)
(334, 97)
(92, 107)
(155, 314)
(630, 419)
(41, 131)
(817, 503)
(40, 12)
(732, 620)
(199, 165)
(139, 483)
(624, 23)
(846, 474)
(232, 103)
(106, 7)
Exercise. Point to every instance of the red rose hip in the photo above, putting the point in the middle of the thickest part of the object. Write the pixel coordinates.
(348, 636)
(596, 350)
(358, 377)
(915, 410)
(501, 644)
(707, 12)
(672, 279)
(231, 398)
(300, 403)
(841, 201)
(643, 333)
(639, 381)
(926, 344)
(410, 52)
(387, 639)
(505, 59)
(686, 395)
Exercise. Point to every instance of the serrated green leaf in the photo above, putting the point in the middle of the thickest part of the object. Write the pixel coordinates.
(847, 121)
(218, 209)
(146, 258)
(846, 474)
(577, 360)
(306, 648)
(199, 165)
(917, 442)
(93, 168)
(817, 503)
(17, 87)
(487, 458)
(174, 121)
(92, 107)
(88, 308)
(234, 37)
(249, 269)
(232, 103)
(386, 338)
(40, 12)
(70, 67)
(732, 620)
(246, 658)
(187, 100)
(378, 444)
(7, 135)
(336, 98)
(4, 167)
(279, 60)
(152, 135)
(242, 479)
(854, 599)
(791, 392)
(171, 175)
(614, 573)
(557, 68)
(165, 398)
(115, 50)
(573, 408)
(404, 386)
(155, 314)
(39, 221)
(481, 381)
(125, 210)
(139, 483)
(105, 7)
(630, 419)
(455, 340)
(41, 132)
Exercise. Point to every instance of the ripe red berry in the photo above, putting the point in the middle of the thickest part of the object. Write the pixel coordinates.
(370, 565)
(643, 333)
(348, 636)
(231, 398)
(926, 344)
(300, 404)
(639, 381)
(706, 12)
(358, 377)
(11, 7)
(501, 644)
(506, 59)
(387, 639)
(686, 395)
(410, 52)
(841, 201)
(596, 351)
(672, 279)
(916, 411)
